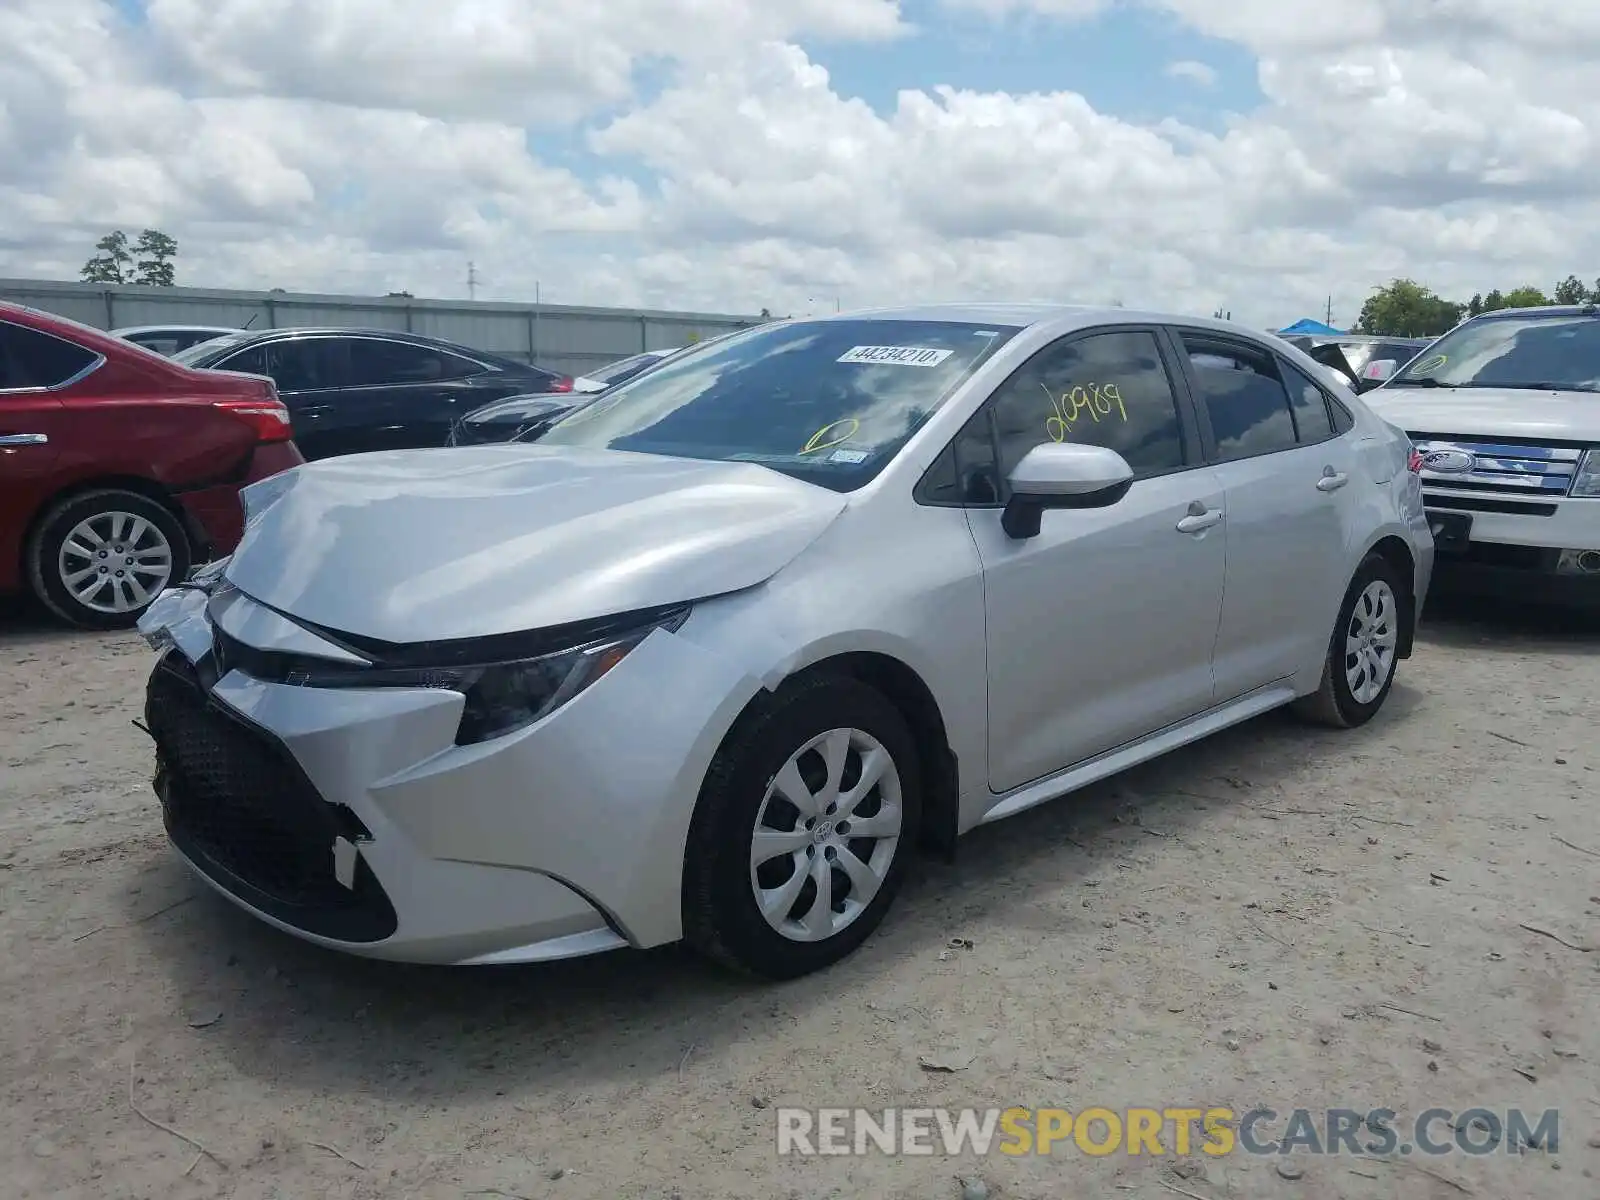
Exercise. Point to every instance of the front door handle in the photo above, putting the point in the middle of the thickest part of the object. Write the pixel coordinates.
(24, 439)
(1200, 518)
(1332, 480)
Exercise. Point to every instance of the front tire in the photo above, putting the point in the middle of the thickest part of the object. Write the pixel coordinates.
(1364, 651)
(100, 559)
(805, 823)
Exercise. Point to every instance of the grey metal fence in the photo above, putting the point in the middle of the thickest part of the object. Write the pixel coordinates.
(560, 336)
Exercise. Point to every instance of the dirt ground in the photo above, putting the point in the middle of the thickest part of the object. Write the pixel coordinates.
(1279, 916)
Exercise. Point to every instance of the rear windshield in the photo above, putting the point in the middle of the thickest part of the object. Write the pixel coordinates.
(1532, 351)
(192, 355)
(831, 401)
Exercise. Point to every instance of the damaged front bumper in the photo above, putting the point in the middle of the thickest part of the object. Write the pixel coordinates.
(350, 818)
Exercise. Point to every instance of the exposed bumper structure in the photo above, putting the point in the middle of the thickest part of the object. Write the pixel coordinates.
(350, 818)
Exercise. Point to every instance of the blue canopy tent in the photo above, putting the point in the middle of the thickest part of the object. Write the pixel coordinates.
(1310, 328)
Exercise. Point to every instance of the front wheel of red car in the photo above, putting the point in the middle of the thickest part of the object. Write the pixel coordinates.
(99, 559)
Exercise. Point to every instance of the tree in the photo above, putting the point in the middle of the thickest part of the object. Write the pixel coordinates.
(1494, 300)
(1570, 291)
(1407, 309)
(1475, 305)
(114, 263)
(155, 251)
(1526, 296)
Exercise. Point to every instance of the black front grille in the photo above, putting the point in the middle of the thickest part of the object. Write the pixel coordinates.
(239, 806)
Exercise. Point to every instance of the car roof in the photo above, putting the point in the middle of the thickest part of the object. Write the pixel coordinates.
(128, 329)
(393, 335)
(1024, 315)
(1542, 310)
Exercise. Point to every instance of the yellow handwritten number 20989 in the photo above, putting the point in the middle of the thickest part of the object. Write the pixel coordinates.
(1095, 401)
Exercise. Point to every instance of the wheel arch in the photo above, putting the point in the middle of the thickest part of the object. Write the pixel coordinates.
(135, 484)
(905, 688)
(148, 488)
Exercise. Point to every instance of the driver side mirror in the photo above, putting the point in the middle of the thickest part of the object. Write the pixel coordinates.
(1062, 475)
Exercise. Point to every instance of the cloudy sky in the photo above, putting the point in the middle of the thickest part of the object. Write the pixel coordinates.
(730, 155)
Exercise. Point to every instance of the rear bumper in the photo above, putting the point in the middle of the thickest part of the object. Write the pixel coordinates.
(215, 512)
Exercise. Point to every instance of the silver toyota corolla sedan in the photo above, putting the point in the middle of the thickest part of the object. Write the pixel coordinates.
(716, 656)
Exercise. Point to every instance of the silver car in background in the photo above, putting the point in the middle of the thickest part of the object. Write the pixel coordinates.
(715, 656)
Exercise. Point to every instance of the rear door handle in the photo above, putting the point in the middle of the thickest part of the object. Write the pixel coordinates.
(24, 439)
(1199, 518)
(1332, 480)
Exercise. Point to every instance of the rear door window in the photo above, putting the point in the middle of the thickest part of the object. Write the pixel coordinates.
(1244, 396)
(32, 359)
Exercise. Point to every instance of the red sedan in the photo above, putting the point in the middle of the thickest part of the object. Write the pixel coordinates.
(119, 469)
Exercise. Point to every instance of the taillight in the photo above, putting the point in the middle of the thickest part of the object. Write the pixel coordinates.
(269, 418)
(561, 384)
(1414, 463)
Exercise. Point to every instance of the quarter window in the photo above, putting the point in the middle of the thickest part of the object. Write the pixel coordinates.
(1244, 397)
(1310, 404)
(1106, 389)
(31, 359)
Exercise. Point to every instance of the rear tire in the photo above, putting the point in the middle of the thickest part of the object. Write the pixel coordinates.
(1363, 652)
(99, 559)
(756, 904)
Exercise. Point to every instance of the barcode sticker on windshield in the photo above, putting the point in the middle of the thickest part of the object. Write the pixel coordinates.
(898, 356)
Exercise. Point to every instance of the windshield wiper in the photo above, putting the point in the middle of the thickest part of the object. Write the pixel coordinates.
(1541, 385)
(1419, 381)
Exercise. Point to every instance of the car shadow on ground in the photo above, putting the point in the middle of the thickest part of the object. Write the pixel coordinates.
(1498, 627)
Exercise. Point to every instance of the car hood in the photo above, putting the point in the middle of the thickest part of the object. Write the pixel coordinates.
(520, 408)
(420, 545)
(1490, 412)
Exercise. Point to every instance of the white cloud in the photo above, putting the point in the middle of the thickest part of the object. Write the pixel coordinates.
(1193, 71)
(708, 161)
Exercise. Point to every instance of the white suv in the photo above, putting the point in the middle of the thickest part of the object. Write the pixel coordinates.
(1504, 412)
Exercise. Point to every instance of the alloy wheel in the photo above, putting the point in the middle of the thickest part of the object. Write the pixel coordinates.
(826, 835)
(1370, 641)
(115, 562)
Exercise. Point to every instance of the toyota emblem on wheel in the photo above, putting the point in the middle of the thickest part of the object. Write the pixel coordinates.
(1448, 462)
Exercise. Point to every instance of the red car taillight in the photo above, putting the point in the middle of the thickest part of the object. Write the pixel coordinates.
(269, 418)
(562, 384)
(1414, 463)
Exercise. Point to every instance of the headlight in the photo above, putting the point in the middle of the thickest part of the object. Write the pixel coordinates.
(501, 697)
(1586, 482)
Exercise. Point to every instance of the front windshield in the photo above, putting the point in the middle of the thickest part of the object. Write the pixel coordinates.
(1531, 351)
(826, 401)
(207, 348)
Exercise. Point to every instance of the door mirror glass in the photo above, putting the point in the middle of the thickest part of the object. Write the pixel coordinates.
(1063, 475)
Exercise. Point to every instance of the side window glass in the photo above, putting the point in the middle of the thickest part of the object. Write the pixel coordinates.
(30, 359)
(941, 482)
(1343, 419)
(299, 365)
(1311, 420)
(458, 368)
(1106, 389)
(1243, 396)
(374, 362)
(252, 361)
(976, 468)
